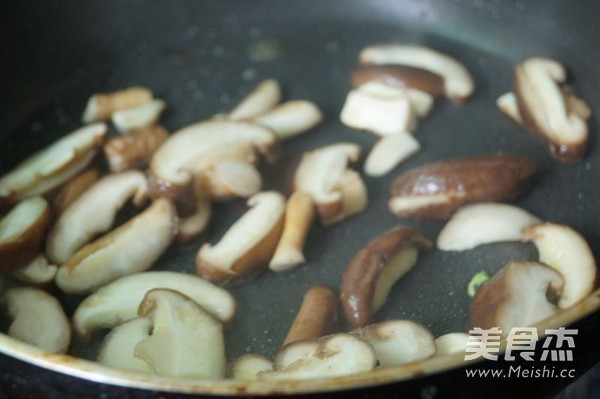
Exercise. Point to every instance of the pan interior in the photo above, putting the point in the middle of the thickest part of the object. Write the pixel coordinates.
(202, 57)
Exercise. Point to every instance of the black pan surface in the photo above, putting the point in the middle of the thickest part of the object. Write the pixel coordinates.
(203, 56)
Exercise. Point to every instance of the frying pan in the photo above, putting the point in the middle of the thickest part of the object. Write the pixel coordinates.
(200, 57)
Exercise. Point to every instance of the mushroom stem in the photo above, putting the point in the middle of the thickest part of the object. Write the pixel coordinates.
(317, 315)
(299, 216)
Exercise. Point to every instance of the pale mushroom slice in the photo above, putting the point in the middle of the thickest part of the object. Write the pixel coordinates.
(519, 295)
(545, 112)
(248, 366)
(141, 116)
(248, 244)
(330, 356)
(38, 319)
(437, 189)
(73, 189)
(354, 197)
(566, 251)
(134, 149)
(231, 178)
(53, 165)
(131, 248)
(118, 301)
(379, 108)
(193, 149)
(450, 343)
(266, 96)
(299, 216)
(22, 231)
(185, 340)
(484, 223)
(117, 350)
(507, 103)
(458, 83)
(373, 271)
(101, 106)
(317, 316)
(398, 342)
(322, 174)
(38, 272)
(290, 118)
(94, 213)
(389, 152)
(421, 102)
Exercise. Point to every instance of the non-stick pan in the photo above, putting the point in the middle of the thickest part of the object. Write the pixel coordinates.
(203, 56)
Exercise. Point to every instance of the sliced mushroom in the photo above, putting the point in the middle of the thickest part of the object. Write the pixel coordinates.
(290, 118)
(354, 197)
(378, 108)
(266, 96)
(458, 83)
(451, 343)
(52, 166)
(322, 175)
(421, 102)
(22, 232)
(94, 213)
(331, 356)
(484, 223)
(519, 295)
(38, 319)
(193, 149)
(249, 244)
(317, 316)
(118, 301)
(507, 103)
(374, 270)
(184, 341)
(299, 216)
(131, 248)
(141, 116)
(118, 347)
(38, 271)
(438, 189)
(544, 111)
(398, 342)
(72, 189)
(101, 106)
(401, 76)
(390, 151)
(567, 252)
(231, 178)
(191, 226)
(248, 366)
(134, 149)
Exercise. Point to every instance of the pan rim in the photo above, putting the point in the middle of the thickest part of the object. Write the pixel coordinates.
(95, 372)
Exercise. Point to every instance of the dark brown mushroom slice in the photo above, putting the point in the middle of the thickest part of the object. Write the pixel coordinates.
(317, 316)
(436, 190)
(374, 269)
(135, 149)
(402, 76)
